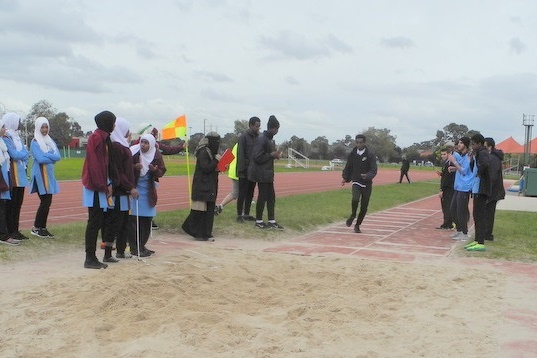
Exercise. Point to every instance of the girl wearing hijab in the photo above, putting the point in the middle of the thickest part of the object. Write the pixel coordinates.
(46, 154)
(4, 189)
(17, 173)
(122, 186)
(199, 223)
(148, 168)
(97, 185)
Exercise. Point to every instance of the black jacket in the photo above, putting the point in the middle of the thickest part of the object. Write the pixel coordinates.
(481, 159)
(360, 164)
(497, 190)
(244, 152)
(261, 169)
(447, 179)
(205, 179)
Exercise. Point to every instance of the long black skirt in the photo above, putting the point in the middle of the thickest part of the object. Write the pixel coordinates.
(199, 224)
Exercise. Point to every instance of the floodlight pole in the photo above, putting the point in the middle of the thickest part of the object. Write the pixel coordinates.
(527, 121)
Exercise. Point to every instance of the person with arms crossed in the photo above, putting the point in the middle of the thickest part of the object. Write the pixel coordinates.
(447, 178)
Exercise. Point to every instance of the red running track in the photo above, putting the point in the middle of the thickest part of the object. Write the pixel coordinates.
(173, 192)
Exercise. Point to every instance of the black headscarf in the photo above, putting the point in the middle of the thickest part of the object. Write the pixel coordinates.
(105, 121)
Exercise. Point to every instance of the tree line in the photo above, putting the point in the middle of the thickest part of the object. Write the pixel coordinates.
(380, 140)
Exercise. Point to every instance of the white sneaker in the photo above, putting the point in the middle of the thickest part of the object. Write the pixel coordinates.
(455, 234)
(460, 236)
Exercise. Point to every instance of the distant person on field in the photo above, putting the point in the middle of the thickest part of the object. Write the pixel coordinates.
(464, 179)
(4, 189)
(447, 179)
(405, 167)
(360, 169)
(17, 172)
(244, 159)
(497, 190)
(97, 183)
(261, 171)
(46, 154)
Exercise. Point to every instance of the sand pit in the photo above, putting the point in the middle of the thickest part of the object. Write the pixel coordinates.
(208, 301)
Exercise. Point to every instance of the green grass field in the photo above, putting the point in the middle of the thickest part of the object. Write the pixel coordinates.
(301, 214)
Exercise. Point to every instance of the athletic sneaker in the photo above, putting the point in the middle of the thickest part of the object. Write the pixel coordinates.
(218, 209)
(261, 225)
(454, 235)
(349, 221)
(461, 236)
(10, 241)
(154, 225)
(37, 231)
(476, 247)
(274, 225)
(46, 232)
(473, 243)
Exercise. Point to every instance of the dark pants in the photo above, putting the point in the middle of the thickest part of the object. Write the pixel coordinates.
(447, 197)
(459, 210)
(246, 194)
(360, 194)
(13, 209)
(141, 235)
(3, 227)
(267, 196)
(95, 221)
(491, 213)
(480, 217)
(404, 174)
(42, 212)
(116, 226)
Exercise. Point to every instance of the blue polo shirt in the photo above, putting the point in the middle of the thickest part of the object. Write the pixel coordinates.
(464, 179)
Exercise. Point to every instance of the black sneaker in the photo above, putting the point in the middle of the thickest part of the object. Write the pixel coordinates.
(110, 259)
(261, 225)
(274, 225)
(19, 236)
(248, 217)
(38, 232)
(154, 225)
(46, 232)
(124, 255)
(218, 210)
(357, 229)
(240, 219)
(349, 221)
(94, 264)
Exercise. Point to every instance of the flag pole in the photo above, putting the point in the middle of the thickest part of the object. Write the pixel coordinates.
(188, 173)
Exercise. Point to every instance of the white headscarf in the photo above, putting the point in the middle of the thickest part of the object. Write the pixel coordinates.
(12, 121)
(45, 142)
(147, 157)
(4, 155)
(120, 131)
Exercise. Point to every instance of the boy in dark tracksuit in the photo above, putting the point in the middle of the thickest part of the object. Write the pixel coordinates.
(361, 168)
(447, 179)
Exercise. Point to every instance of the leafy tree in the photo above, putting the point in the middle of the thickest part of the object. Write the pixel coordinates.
(240, 126)
(300, 145)
(194, 141)
(453, 131)
(381, 142)
(319, 148)
(76, 130)
(228, 140)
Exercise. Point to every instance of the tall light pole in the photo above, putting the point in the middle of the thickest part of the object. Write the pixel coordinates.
(204, 126)
(527, 121)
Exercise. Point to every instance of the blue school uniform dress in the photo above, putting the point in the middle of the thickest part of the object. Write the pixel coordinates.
(5, 195)
(144, 209)
(19, 163)
(43, 179)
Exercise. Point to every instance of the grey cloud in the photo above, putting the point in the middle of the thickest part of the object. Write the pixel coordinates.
(517, 46)
(143, 48)
(338, 45)
(212, 76)
(292, 81)
(295, 45)
(214, 95)
(397, 42)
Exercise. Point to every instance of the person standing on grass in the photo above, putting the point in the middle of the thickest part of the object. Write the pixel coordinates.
(232, 174)
(261, 171)
(44, 183)
(497, 190)
(480, 191)
(244, 158)
(405, 167)
(462, 185)
(361, 168)
(447, 178)
(97, 184)
(148, 168)
(17, 173)
(4, 189)
(123, 186)
(199, 223)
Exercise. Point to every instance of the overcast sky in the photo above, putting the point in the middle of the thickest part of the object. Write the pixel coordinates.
(324, 68)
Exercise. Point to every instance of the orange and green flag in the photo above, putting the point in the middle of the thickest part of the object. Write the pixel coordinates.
(175, 129)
